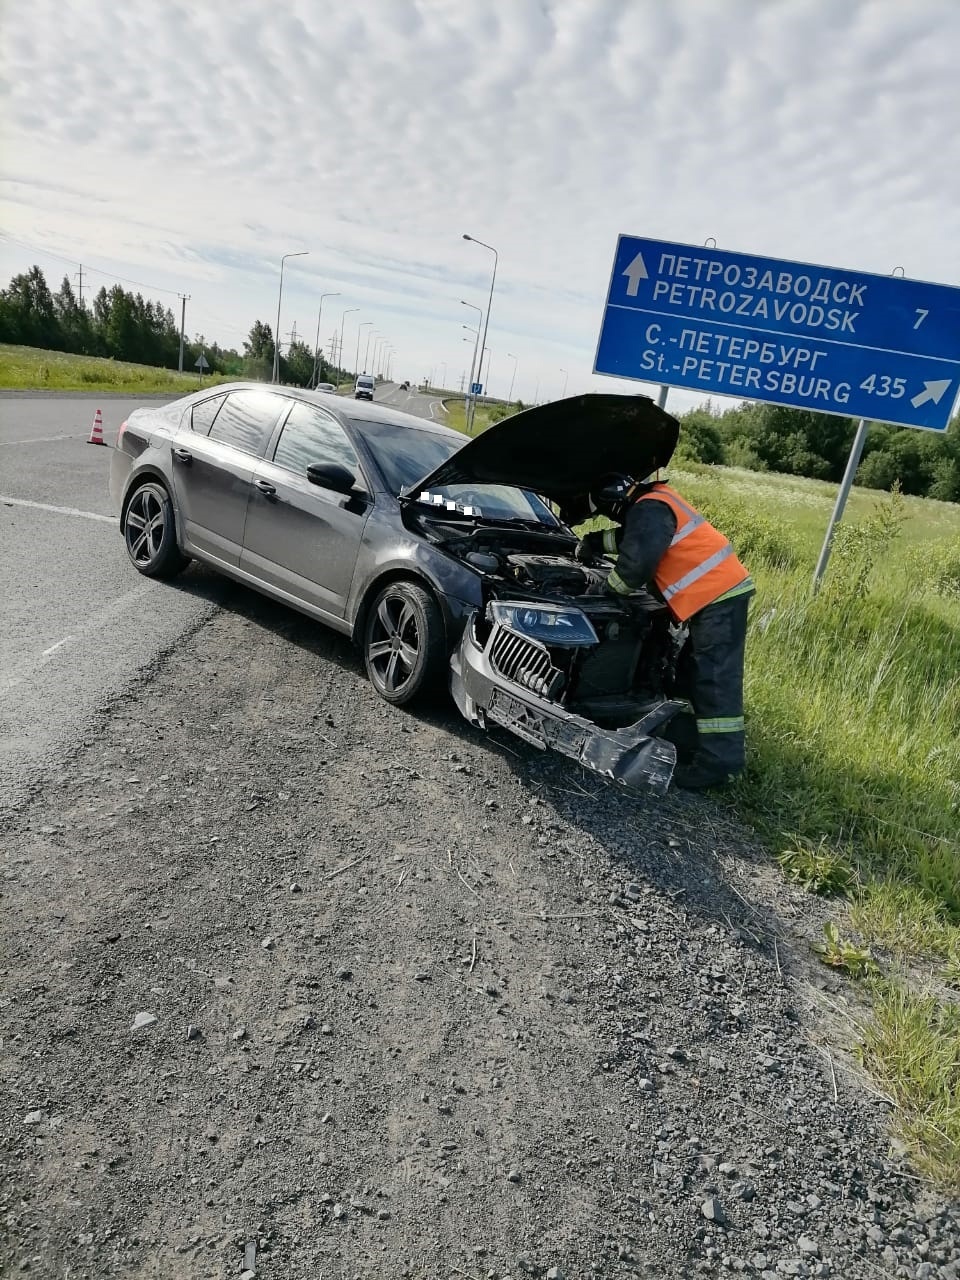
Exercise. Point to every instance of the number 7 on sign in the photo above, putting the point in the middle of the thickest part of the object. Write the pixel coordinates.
(921, 316)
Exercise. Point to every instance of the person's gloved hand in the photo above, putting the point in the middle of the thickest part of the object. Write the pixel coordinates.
(590, 547)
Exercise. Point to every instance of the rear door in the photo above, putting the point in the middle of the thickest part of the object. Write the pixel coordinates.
(214, 458)
(300, 538)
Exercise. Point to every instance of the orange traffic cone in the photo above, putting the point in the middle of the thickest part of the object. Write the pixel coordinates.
(96, 431)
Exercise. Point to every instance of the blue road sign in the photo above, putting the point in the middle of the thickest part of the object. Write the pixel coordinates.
(845, 342)
(476, 388)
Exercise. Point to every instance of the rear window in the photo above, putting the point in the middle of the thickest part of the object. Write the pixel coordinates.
(247, 419)
(364, 382)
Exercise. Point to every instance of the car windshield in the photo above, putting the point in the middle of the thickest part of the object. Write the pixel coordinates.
(405, 455)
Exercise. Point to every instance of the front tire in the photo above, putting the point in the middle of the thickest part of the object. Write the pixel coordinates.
(150, 532)
(404, 643)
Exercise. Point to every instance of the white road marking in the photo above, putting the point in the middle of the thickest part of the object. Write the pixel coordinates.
(98, 622)
(59, 511)
(54, 647)
(43, 439)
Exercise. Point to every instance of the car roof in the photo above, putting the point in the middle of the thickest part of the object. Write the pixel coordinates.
(354, 412)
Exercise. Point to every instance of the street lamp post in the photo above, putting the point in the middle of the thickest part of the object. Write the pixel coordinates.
(363, 325)
(563, 393)
(349, 311)
(316, 353)
(513, 375)
(473, 363)
(301, 253)
(493, 280)
(485, 384)
(366, 354)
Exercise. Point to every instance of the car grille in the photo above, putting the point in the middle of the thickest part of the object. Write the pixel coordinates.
(525, 663)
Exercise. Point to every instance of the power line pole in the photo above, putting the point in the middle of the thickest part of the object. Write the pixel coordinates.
(79, 278)
(184, 299)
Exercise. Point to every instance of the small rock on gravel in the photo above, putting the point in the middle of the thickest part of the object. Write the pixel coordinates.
(143, 1019)
(712, 1210)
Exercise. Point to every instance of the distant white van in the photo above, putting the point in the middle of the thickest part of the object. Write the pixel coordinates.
(364, 388)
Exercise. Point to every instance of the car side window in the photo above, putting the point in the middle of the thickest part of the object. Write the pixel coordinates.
(312, 436)
(247, 419)
(203, 414)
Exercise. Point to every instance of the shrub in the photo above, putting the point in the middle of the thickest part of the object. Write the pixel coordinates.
(935, 566)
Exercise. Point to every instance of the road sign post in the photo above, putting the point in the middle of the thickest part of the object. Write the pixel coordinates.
(877, 348)
(201, 364)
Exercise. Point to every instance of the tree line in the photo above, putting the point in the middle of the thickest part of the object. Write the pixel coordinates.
(800, 442)
(125, 326)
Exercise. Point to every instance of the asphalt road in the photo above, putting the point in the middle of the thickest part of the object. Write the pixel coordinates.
(78, 623)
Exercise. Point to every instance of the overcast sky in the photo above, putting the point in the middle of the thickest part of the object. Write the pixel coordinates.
(188, 144)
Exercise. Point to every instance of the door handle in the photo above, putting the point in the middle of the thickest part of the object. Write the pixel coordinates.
(267, 488)
(184, 455)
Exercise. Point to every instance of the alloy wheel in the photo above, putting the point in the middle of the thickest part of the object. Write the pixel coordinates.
(393, 649)
(144, 525)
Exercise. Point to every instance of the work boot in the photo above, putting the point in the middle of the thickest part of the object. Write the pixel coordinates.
(697, 776)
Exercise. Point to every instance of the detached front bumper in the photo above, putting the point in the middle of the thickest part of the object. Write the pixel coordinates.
(630, 756)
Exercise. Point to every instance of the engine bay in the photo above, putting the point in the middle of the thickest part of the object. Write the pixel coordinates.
(611, 681)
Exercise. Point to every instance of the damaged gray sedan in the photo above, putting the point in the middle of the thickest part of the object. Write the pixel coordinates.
(448, 562)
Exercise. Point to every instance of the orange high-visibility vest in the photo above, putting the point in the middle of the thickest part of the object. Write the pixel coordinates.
(699, 565)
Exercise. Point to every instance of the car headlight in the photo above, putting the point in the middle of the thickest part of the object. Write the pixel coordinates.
(550, 624)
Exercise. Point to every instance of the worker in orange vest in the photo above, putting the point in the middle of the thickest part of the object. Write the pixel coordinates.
(663, 544)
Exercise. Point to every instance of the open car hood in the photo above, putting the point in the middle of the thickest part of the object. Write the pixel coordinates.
(562, 449)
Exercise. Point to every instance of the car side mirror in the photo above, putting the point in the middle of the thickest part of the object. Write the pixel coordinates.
(331, 475)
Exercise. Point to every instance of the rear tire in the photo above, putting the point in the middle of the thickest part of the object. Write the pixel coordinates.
(404, 643)
(150, 532)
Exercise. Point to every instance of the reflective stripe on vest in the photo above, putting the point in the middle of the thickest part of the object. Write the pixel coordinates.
(699, 566)
(696, 574)
(687, 529)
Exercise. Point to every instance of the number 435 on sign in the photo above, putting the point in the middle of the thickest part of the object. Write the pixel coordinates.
(878, 384)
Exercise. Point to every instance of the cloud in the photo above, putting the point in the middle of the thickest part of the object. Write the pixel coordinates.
(375, 133)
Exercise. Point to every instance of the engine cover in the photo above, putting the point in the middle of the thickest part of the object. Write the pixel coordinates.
(549, 573)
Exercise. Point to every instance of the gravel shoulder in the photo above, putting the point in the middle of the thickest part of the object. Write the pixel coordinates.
(425, 1003)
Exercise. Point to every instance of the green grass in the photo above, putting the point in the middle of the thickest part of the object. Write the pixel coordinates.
(456, 416)
(34, 369)
(853, 712)
(912, 1048)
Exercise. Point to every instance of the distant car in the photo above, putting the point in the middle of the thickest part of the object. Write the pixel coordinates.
(325, 386)
(404, 386)
(438, 554)
(365, 387)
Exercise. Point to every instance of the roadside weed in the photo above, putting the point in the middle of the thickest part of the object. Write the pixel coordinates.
(816, 867)
(839, 953)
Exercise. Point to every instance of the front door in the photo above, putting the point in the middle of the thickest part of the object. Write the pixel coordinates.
(300, 538)
(214, 458)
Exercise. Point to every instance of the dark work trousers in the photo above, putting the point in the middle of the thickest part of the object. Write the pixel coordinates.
(710, 675)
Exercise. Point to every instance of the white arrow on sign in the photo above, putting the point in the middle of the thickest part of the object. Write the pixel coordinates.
(636, 272)
(934, 391)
